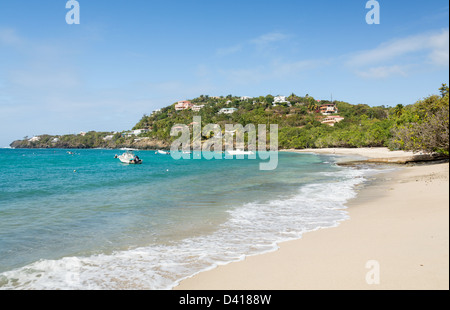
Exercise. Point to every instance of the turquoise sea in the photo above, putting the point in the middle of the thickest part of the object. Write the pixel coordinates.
(87, 221)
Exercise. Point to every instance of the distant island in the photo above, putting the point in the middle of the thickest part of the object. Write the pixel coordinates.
(304, 122)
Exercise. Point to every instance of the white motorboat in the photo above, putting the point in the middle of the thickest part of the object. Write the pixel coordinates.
(129, 158)
(163, 152)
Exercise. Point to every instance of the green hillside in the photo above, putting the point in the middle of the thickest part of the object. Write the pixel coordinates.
(419, 126)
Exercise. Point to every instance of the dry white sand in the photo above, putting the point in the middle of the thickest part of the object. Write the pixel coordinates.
(397, 238)
(376, 152)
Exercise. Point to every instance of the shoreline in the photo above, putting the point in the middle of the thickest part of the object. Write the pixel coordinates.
(398, 220)
(377, 155)
(349, 156)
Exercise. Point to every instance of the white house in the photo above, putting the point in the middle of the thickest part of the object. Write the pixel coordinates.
(280, 99)
(139, 131)
(327, 109)
(333, 119)
(227, 111)
(55, 140)
(34, 139)
(136, 132)
(108, 138)
(243, 98)
(197, 108)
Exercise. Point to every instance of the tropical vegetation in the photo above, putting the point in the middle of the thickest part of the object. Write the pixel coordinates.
(422, 126)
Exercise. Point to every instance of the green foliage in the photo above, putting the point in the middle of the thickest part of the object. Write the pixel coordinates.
(421, 126)
(91, 139)
(444, 90)
(424, 126)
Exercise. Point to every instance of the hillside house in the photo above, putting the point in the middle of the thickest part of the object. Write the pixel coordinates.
(197, 108)
(135, 132)
(280, 99)
(34, 139)
(183, 105)
(328, 109)
(227, 111)
(332, 120)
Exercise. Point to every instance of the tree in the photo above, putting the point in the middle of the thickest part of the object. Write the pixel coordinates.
(313, 105)
(398, 110)
(425, 127)
(293, 98)
(269, 99)
(444, 90)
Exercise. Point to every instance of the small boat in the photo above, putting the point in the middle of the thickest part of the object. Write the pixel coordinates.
(240, 152)
(129, 158)
(163, 152)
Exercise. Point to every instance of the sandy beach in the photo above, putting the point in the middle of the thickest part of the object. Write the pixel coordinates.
(397, 238)
(371, 155)
(376, 152)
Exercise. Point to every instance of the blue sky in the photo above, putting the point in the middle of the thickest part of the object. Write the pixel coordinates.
(128, 58)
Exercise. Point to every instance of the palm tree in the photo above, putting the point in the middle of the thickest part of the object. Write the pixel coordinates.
(444, 90)
(313, 105)
(398, 110)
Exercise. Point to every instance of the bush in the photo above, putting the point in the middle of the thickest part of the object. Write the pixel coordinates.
(424, 127)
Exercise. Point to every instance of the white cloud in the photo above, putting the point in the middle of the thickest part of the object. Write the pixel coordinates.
(397, 56)
(392, 50)
(269, 38)
(297, 67)
(260, 42)
(229, 50)
(245, 76)
(275, 70)
(9, 37)
(387, 51)
(383, 72)
(439, 43)
(44, 78)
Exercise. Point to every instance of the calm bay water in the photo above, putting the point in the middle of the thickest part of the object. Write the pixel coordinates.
(86, 221)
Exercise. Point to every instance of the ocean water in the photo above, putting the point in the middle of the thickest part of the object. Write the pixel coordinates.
(86, 221)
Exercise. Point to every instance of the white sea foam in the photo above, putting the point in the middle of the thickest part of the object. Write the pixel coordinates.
(253, 228)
